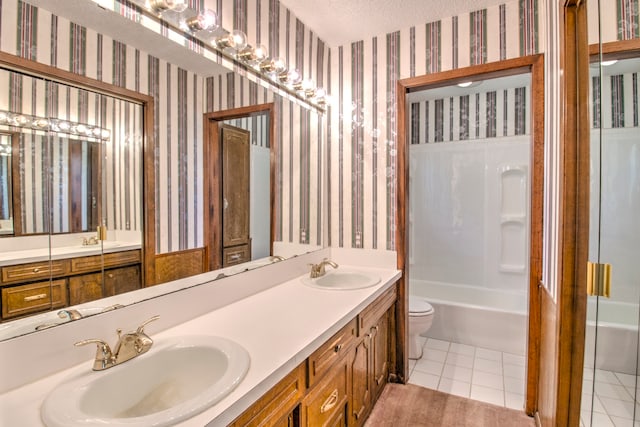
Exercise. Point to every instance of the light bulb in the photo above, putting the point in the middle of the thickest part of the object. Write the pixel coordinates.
(235, 40)
(250, 54)
(64, 126)
(41, 123)
(206, 20)
(274, 65)
(291, 77)
(105, 134)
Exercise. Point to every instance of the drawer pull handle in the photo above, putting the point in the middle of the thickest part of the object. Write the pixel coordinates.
(36, 270)
(337, 348)
(331, 401)
(235, 257)
(35, 297)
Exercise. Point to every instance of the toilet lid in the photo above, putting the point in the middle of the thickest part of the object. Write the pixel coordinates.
(419, 306)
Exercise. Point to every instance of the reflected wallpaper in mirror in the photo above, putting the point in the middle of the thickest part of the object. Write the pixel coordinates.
(182, 90)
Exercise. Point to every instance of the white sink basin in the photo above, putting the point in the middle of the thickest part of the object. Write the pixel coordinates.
(175, 380)
(342, 279)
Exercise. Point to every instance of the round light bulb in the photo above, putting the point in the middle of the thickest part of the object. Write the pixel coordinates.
(239, 40)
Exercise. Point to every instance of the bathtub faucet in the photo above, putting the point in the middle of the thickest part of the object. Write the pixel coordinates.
(317, 270)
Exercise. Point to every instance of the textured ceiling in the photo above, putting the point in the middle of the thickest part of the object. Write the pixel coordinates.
(339, 22)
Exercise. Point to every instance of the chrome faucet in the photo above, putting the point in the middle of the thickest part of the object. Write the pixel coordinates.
(129, 345)
(70, 314)
(276, 258)
(317, 270)
(93, 240)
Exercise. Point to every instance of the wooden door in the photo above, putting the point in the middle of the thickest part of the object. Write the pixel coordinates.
(235, 185)
(563, 305)
(361, 386)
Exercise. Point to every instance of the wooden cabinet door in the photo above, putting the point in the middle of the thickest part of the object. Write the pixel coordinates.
(361, 378)
(120, 280)
(85, 288)
(235, 185)
(380, 354)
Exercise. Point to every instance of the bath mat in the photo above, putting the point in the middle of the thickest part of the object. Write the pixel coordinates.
(408, 405)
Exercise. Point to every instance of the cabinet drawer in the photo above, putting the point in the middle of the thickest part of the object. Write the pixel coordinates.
(25, 299)
(34, 271)
(330, 352)
(236, 255)
(325, 405)
(96, 262)
(278, 405)
(370, 315)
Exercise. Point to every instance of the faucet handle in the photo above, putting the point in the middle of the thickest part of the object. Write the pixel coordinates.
(140, 329)
(92, 341)
(104, 356)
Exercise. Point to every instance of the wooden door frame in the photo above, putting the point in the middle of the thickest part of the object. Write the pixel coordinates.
(533, 64)
(573, 235)
(212, 169)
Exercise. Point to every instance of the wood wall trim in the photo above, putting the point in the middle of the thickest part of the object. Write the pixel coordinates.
(619, 49)
(212, 168)
(536, 232)
(179, 264)
(535, 65)
(16, 187)
(37, 69)
(574, 211)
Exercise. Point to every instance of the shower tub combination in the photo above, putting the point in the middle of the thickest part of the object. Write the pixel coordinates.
(488, 318)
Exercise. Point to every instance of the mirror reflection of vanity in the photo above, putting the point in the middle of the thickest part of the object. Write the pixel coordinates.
(153, 219)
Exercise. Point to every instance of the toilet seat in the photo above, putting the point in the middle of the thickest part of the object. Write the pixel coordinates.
(419, 307)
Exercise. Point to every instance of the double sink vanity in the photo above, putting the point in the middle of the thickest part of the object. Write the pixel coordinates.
(299, 351)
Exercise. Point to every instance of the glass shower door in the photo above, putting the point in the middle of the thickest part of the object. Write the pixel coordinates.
(611, 350)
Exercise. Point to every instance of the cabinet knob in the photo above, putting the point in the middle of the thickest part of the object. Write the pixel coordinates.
(337, 348)
(35, 270)
(110, 275)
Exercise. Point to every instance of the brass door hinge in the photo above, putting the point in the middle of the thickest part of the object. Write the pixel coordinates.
(598, 279)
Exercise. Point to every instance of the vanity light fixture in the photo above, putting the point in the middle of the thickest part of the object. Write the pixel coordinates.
(233, 44)
(273, 66)
(206, 20)
(8, 118)
(253, 55)
(236, 40)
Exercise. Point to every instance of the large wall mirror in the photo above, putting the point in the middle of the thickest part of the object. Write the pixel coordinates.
(105, 210)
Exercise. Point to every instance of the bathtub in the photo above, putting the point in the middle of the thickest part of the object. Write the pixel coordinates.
(617, 336)
(482, 317)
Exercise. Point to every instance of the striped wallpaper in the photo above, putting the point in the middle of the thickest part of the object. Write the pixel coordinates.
(181, 99)
(478, 115)
(617, 96)
(362, 125)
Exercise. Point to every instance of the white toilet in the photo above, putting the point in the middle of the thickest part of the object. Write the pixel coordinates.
(420, 319)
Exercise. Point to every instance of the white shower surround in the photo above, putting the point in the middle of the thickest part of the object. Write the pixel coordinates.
(469, 225)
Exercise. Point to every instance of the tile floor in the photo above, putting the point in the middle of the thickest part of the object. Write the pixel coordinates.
(499, 378)
(614, 401)
(472, 372)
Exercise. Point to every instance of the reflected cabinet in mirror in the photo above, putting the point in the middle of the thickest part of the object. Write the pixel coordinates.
(115, 177)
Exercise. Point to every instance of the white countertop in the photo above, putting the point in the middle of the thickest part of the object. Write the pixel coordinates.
(279, 327)
(42, 254)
